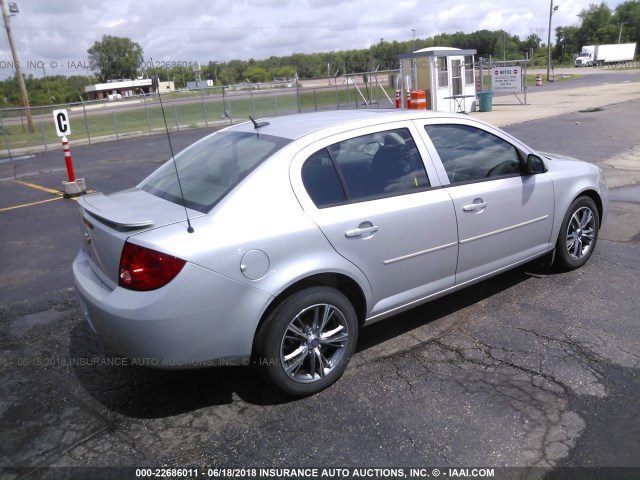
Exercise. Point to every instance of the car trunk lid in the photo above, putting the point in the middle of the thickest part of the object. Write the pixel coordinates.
(109, 220)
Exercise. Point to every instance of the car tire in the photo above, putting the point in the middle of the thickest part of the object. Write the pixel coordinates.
(305, 343)
(578, 234)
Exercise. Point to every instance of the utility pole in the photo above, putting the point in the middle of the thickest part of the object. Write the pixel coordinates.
(19, 78)
(620, 34)
(504, 46)
(551, 10)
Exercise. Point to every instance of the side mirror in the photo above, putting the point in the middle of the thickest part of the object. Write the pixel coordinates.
(535, 165)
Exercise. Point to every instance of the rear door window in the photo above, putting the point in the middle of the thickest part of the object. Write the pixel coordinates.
(365, 167)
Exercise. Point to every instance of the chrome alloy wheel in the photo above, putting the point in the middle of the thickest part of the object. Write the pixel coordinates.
(314, 343)
(580, 233)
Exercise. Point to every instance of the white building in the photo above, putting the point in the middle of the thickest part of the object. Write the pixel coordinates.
(115, 89)
(446, 74)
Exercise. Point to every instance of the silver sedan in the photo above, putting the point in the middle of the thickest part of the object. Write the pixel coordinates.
(274, 242)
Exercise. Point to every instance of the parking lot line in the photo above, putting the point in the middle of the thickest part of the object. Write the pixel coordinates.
(58, 193)
(30, 204)
(39, 187)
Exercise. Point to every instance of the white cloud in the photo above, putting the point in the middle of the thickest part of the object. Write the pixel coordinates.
(60, 31)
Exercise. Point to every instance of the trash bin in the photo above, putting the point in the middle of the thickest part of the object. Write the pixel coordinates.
(485, 99)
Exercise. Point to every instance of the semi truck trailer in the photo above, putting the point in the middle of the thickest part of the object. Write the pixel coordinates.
(593, 55)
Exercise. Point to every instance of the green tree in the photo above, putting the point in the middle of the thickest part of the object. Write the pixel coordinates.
(256, 74)
(485, 42)
(531, 44)
(76, 84)
(226, 75)
(627, 21)
(180, 76)
(51, 90)
(596, 25)
(230, 72)
(115, 57)
(567, 44)
(283, 72)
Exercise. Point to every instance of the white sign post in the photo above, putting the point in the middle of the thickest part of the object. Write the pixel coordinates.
(506, 79)
(61, 119)
(75, 186)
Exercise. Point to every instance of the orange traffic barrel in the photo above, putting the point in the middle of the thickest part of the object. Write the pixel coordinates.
(418, 100)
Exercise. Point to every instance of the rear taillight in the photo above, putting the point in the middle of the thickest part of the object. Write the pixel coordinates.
(144, 269)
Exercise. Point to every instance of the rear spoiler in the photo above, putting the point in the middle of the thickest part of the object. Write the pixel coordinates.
(101, 206)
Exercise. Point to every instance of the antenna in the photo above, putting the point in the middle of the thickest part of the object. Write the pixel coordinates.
(173, 157)
(256, 124)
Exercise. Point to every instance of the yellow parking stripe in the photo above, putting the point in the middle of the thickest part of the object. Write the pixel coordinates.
(30, 204)
(38, 187)
(58, 194)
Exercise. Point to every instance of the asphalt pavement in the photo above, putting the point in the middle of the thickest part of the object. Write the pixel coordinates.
(533, 373)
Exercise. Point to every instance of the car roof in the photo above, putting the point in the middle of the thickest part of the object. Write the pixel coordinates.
(298, 125)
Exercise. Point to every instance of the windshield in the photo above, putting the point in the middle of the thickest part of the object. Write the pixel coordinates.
(211, 168)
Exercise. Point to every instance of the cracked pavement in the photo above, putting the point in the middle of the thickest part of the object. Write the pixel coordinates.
(491, 380)
(529, 369)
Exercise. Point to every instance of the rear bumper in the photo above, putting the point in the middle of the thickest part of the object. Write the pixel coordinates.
(199, 319)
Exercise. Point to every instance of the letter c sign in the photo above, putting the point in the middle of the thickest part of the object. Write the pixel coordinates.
(61, 119)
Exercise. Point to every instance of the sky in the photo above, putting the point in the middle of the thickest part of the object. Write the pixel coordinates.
(52, 36)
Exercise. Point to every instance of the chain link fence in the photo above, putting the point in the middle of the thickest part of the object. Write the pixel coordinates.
(99, 121)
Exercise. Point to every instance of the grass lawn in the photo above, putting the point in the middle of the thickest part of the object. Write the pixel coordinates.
(144, 116)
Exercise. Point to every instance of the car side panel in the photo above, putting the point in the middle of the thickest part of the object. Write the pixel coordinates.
(572, 178)
(412, 253)
(514, 225)
(503, 219)
(261, 215)
(194, 321)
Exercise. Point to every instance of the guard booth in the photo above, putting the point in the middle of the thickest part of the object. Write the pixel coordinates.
(446, 74)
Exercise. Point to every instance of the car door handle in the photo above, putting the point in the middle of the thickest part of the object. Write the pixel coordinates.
(361, 231)
(474, 207)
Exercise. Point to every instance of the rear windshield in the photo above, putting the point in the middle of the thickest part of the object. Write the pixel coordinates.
(211, 168)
